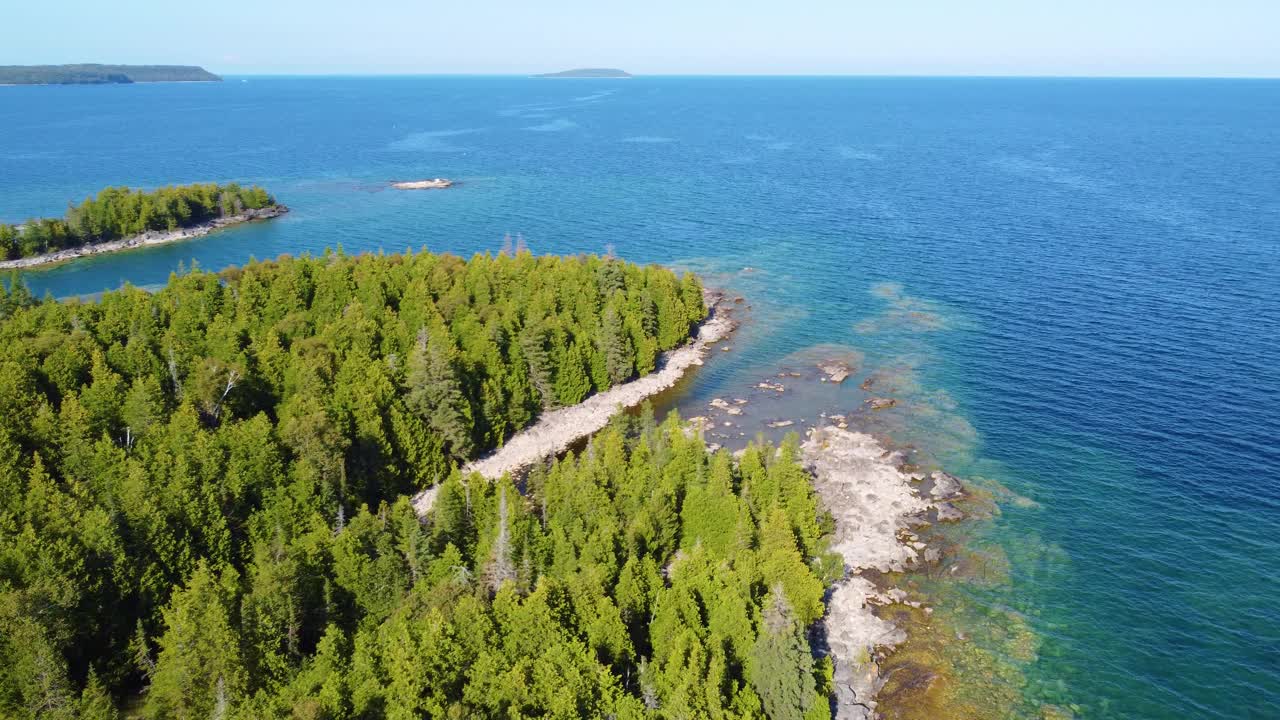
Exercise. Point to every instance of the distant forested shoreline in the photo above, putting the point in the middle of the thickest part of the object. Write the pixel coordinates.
(95, 74)
(120, 212)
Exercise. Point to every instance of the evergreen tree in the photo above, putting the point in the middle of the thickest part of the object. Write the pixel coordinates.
(435, 394)
(95, 702)
(616, 346)
(533, 348)
(572, 381)
(200, 670)
(781, 664)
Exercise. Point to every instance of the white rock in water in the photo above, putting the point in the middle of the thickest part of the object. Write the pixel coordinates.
(432, 184)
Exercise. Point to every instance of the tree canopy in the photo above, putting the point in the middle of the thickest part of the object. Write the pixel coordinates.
(119, 212)
(204, 513)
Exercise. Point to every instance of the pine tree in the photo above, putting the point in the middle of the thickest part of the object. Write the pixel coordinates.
(435, 394)
(615, 344)
(95, 701)
(572, 382)
(533, 346)
(781, 669)
(200, 669)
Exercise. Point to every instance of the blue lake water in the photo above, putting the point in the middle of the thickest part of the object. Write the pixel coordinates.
(1072, 285)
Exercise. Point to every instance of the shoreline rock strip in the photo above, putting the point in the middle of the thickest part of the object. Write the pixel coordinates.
(146, 239)
(874, 504)
(555, 431)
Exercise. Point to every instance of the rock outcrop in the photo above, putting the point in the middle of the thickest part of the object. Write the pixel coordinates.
(432, 184)
(874, 503)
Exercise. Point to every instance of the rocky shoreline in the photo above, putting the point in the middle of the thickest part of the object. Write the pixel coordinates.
(874, 496)
(153, 237)
(875, 504)
(556, 431)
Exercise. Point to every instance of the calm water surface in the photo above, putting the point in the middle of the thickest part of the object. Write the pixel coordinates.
(1072, 285)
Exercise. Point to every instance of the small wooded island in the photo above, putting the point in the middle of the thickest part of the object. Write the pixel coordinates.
(119, 218)
(587, 73)
(95, 74)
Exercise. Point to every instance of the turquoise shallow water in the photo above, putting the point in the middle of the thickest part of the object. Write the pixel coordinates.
(1072, 285)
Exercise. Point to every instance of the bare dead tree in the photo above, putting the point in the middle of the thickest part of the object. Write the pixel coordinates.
(173, 374)
(232, 376)
(501, 570)
(220, 704)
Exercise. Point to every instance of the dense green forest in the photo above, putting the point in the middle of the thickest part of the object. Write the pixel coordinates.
(203, 504)
(95, 74)
(119, 212)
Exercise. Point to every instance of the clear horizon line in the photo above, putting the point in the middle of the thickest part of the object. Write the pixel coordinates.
(534, 75)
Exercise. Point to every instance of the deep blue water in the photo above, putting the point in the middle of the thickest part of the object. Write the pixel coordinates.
(1075, 285)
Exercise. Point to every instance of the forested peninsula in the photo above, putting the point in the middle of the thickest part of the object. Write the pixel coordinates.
(119, 218)
(95, 74)
(204, 504)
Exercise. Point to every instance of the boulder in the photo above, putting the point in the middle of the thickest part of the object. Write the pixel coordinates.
(836, 371)
(945, 485)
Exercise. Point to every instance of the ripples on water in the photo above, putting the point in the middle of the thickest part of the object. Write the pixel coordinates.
(1073, 284)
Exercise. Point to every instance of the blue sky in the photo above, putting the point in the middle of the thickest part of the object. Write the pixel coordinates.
(916, 37)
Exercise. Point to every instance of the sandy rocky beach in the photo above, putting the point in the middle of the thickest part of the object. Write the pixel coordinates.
(875, 500)
(556, 431)
(154, 237)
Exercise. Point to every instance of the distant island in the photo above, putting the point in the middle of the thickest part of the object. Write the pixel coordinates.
(93, 74)
(588, 73)
(120, 218)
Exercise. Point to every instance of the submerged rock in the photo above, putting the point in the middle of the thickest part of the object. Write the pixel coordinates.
(837, 371)
(881, 403)
(948, 512)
